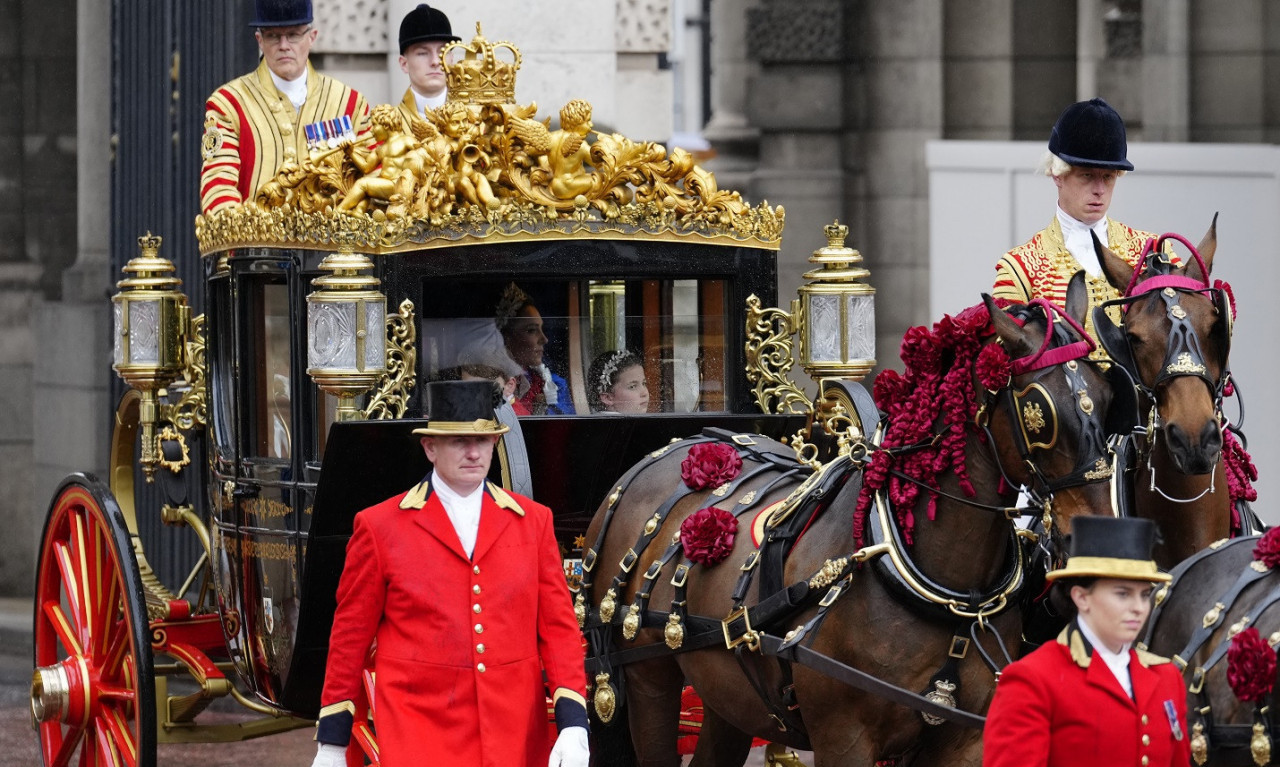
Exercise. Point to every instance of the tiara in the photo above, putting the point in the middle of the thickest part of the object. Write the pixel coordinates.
(512, 299)
(610, 369)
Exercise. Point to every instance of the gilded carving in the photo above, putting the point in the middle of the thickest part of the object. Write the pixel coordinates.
(481, 166)
(390, 396)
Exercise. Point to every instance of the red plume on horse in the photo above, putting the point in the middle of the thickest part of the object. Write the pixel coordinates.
(865, 615)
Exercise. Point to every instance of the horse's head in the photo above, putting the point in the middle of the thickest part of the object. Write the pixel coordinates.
(1047, 421)
(1173, 342)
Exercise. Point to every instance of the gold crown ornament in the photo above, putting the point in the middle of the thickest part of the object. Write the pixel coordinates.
(480, 77)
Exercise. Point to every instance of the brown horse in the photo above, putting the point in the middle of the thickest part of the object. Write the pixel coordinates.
(1174, 342)
(903, 615)
(1213, 596)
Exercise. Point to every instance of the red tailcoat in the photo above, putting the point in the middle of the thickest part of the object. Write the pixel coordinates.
(461, 642)
(1061, 707)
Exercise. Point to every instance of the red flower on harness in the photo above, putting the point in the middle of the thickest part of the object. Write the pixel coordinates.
(707, 535)
(993, 367)
(1251, 666)
(1267, 549)
(710, 464)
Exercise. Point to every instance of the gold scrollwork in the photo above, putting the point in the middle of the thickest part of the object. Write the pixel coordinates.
(391, 394)
(191, 409)
(605, 699)
(827, 575)
(768, 348)
(1101, 470)
(673, 633)
(168, 433)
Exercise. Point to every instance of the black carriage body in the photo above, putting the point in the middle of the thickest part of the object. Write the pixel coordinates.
(285, 484)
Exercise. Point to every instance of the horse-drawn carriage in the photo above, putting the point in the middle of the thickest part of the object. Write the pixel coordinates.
(783, 549)
(264, 424)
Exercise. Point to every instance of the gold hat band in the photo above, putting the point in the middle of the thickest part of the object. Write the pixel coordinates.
(449, 428)
(1110, 567)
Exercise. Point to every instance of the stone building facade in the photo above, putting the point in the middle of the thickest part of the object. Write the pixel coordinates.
(823, 106)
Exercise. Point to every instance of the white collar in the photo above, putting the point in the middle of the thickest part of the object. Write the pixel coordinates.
(1117, 662)
(448, 494)
(424, 103)
(1075, 235)
(295, 90)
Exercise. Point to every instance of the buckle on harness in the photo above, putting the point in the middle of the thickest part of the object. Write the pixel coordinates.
(743, 439)
(749, 637)
(959, 647)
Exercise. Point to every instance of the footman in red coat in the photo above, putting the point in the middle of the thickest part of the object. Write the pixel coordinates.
(462, 586)
(1090, 698)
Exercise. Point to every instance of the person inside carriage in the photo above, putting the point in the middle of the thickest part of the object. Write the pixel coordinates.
(1090, 697)
(542, 391)
(616, 383)
(462, 587)
(1087, 155)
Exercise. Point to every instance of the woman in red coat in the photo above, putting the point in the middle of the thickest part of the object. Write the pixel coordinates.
(1090, 698)
(462, 587)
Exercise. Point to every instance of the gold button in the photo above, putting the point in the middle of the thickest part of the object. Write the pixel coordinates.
(476, 590)
(286, 130)
(1146, 760)
(480, 648)
(476, 569)
(480, 668)
(290, 153)
(479, 629)
(1144, 718)
(1146, 740)
(475, 608)
(276, 106)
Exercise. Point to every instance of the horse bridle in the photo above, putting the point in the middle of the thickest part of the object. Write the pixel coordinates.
(1036, 415)
(1184, 355)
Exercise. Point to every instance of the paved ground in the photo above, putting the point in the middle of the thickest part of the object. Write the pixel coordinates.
(19, 745)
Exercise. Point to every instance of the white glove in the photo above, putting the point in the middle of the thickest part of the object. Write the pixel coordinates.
(570, 749)
(329, 755)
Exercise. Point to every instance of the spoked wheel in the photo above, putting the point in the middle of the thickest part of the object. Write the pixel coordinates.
(92, 693)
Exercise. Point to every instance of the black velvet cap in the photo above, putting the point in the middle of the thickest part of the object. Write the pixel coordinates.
(281, 13)
(424, 24)
(1090, 134)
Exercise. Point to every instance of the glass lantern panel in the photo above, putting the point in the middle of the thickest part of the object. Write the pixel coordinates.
(331, 335)
(824, 328)
(144, 332)
(375, 345)
(117, 317)
(862, 326)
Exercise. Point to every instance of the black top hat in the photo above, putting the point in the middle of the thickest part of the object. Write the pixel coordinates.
(461, 408)
(423, 24)
(1111, 547)
(1090, 134)
(281, 13)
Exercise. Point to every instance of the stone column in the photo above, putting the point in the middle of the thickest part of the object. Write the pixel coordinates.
(734, 138)
(71, 411)
(796, 103)
(1166, 70)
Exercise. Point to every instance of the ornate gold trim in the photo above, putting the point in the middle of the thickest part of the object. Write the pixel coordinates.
(768, 348)
(390, 396)
(1185, 366)
(191, 410)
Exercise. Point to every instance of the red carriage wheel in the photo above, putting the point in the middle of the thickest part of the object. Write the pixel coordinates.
(92, 693)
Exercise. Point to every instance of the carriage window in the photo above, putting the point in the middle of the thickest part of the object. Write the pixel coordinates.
(270, 359)
(593, 346)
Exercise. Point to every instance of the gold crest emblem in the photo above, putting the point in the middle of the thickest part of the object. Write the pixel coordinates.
(605, 699)
(673, 634)
(1033, 417)
(211, 141)
(631, 623)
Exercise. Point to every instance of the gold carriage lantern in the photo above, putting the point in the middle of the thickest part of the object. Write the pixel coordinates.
(151, 318)
(346, 336)
(837, 318)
